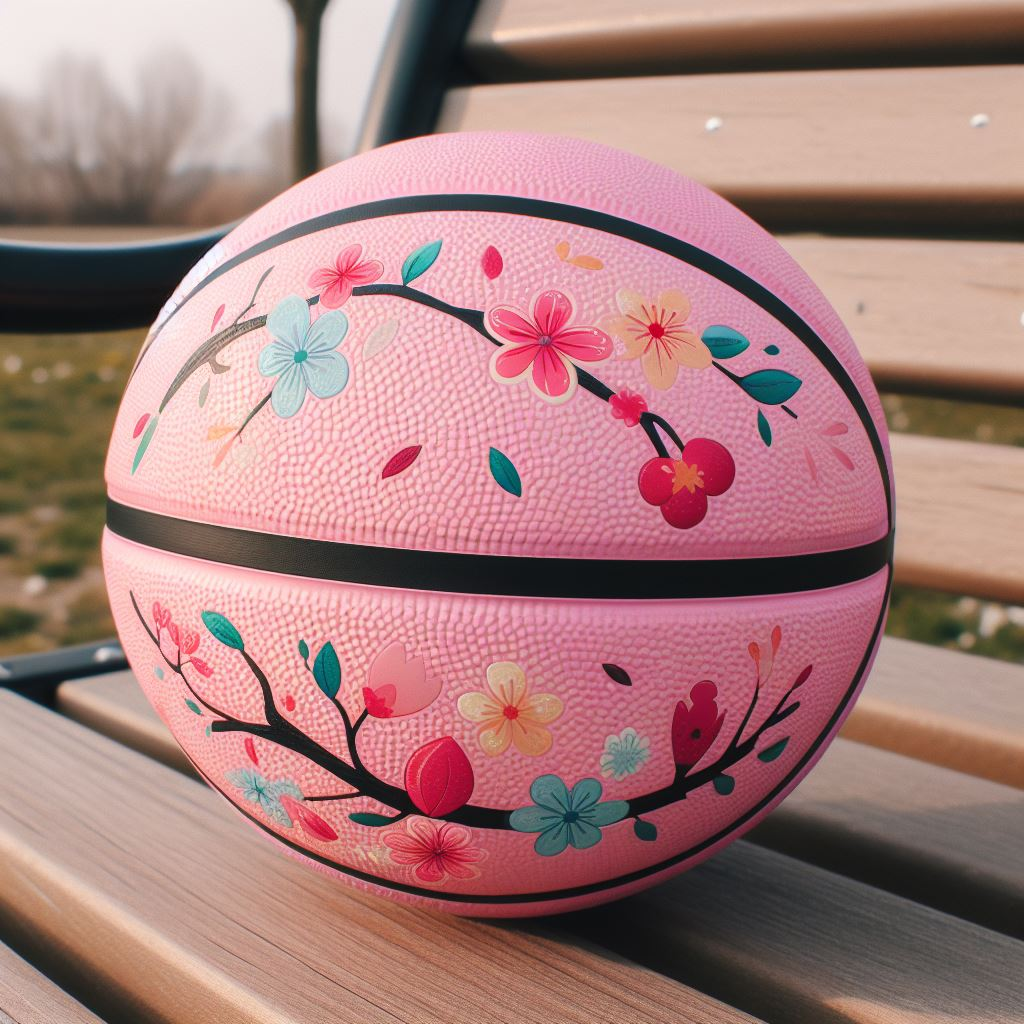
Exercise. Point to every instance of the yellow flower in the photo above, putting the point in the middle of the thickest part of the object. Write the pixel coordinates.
(655, 332)
(508, 714)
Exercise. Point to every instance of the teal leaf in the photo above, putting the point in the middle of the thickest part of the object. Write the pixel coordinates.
(724, 342)
(144, 443)
(193, 707)
(764, 428)
(772, 350)
(645, 830)
(209, 730)
(327, 670)
(505, 474)
(772, 752)
(303, 650)
(158, 672)
(370, 820)
(724, 784)
(223, 630)
(419, 261)
(772, 387)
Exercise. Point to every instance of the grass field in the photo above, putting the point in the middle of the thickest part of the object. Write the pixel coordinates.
(58, 397)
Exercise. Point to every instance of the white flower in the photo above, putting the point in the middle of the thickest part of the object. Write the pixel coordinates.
(624, 754)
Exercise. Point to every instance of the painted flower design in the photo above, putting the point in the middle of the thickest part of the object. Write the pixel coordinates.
(542, 348)
(696, 726)
(435, 852)
(506, 713)
(624, 754)
(302, 355)
(265, 794)
(655, 332)
(398, 684)
(565, 817)
(349, 270)
(628, 406)
(681, 487)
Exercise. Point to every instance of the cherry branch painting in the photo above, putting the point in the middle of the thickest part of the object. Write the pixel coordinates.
(438, 779)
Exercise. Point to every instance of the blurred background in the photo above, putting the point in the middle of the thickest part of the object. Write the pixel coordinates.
(127, 120)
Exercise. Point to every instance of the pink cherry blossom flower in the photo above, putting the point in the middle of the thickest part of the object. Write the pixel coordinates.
(398, 684)
(542, 348)
(628, 406)
(436, 852)
(336, 283)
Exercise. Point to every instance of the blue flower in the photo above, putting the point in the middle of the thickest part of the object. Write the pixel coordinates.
(302, 355)
(565, 818)
(624, 754)
(267, 795)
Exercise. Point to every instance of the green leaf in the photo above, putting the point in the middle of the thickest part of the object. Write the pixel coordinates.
(419, 261)
(370, 820)
(327, 670)
(772, 752)
(209, 731)
(222, 630)
(645, 830)
(772, 350)
(724, 784)
(193, 707)
(303, 650)
(772, 387)
(505, 474)
(764, 428)
(144, 443)
(724, 342)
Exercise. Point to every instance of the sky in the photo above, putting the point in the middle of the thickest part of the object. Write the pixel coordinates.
(244, 46)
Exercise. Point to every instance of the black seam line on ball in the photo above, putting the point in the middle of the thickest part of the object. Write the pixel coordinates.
(498, 575)
(611, 883)
(606, 222)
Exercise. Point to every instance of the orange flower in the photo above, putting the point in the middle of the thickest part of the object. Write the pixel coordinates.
(655, 332)
(508, 714)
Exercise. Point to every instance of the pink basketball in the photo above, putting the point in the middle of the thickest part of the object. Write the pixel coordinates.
(500, 522)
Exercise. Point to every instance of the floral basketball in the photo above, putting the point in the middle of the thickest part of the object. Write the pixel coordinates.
(500, 522)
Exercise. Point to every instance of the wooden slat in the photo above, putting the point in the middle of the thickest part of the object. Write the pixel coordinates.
(931, 834)
(792, 942)
(934, 317)
(951, 709)
(136, 875)
(800, 149)
(27, 997)
(570, 39)
(959, 516)
(936, 836)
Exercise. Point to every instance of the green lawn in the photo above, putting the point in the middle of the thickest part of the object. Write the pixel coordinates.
(60, 394)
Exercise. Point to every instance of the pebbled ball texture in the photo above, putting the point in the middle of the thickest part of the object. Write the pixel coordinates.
(515, 345)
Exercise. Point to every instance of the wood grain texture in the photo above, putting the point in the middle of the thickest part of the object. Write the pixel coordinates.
(572, 39)
(929, 316)
(933, 835)
(27, 997)
(792, 942)
(800, 149)
(140, 877)
(959, 512)
(944, 707)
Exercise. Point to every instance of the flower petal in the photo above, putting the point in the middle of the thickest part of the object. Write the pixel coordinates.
(533, 819)
(366, 272)
(326, 373)
(326, 332)
(674, 301)
(511, 325)
(323, 278)
(348, 258)
(553, 841)
(507, 681)
(688, 350)
(431, 870)
(551, 792)
(529, 738)
(554, 377)
(583, 344)
(494, 739)
(625, 329)
(585, 794)
(541, 708)
(551, 312)
(289, 321)
(511, 361)
(659, 367)
(289, 392)
(478, 707)
(608, 813)
(583, 835)
(630, 303)
(275, 359)
(337, 293)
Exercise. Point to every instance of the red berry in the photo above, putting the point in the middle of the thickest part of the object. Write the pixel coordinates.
(685, 509)
(716, 464)
(656, 476)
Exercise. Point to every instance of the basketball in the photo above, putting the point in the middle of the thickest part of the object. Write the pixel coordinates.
(501, 523)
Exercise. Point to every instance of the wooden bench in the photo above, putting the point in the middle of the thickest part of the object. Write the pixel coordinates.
(890, 886)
